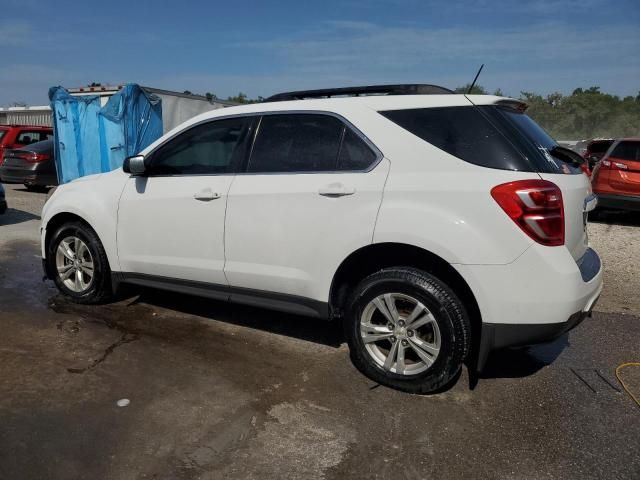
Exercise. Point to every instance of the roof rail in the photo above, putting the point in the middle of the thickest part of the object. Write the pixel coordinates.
(401, 89)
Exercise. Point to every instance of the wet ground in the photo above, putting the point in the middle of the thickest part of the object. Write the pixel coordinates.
(218, 391)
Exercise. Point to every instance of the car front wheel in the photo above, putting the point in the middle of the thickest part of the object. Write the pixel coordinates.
(78, 264)
(407, 330)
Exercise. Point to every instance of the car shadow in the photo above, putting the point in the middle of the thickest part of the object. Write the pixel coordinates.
(614, 217)
(303, 328)
(523, 361)
(13, 217)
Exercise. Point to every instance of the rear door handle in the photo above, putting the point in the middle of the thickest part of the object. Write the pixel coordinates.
(336, 190)
(206, 195)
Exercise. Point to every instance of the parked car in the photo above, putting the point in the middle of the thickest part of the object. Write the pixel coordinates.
(3, 200)
(437, 227)
(16, 136)
(34, 166)
(616, 178)
(595, 149)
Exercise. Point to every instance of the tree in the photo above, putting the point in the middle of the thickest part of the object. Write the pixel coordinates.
(476, 90)
(240, 98)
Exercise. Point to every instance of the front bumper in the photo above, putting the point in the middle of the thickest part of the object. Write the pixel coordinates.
(619, 202)
(3, 206)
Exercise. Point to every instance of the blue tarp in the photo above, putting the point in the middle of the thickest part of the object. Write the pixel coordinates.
(93, 139)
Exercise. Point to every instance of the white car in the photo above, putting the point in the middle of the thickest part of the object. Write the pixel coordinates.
(437, 227)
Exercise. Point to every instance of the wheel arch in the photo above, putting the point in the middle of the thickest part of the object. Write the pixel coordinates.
(55, 222)
(372, 258)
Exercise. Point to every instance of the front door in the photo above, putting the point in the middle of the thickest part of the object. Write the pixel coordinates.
(171, 220)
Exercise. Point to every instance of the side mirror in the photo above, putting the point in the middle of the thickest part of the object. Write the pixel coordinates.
(134, 165)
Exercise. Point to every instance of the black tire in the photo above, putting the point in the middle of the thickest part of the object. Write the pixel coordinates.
(36, 188)
(450, 315)
(100, 289)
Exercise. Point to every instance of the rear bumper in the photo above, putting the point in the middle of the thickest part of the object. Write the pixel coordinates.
(619, 202)
(34, 176)
(535, 299)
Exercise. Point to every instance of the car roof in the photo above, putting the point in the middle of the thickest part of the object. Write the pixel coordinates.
(343, 104)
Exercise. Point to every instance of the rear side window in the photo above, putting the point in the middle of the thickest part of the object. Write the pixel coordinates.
(2, 133)
(627, 151)
(27, 137)
(292, 143)
(463, 132)
(355, 154)
(296, 143)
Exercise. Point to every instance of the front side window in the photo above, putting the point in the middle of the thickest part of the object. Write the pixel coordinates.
(2, 133)
(210, 148)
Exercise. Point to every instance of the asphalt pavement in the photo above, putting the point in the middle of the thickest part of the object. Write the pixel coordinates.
(212, 391)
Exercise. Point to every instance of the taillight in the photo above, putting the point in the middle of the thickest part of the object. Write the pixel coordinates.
(33, 157)
(536, 207)
(613, 165)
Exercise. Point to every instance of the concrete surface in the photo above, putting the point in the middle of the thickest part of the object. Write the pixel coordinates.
(218, 391)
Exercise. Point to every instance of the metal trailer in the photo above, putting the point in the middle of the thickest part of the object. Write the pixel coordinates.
(176, 107)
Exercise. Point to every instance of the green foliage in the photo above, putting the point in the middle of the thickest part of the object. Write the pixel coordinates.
(476, 90)
(586, 113)
(242, 98)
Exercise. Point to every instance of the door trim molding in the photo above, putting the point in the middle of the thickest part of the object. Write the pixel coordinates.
(246, 296)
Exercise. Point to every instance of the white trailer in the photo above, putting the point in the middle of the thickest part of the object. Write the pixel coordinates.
(176, 107)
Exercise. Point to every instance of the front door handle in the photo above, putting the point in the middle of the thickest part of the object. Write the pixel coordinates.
(206, 195)
(336, 190)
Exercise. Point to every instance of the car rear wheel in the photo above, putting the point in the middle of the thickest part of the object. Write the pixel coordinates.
(407, 330)
(78, 264)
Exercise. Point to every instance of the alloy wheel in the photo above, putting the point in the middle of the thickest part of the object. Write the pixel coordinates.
(400, 334)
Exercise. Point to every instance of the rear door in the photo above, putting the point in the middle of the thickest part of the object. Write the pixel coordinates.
(309, 197)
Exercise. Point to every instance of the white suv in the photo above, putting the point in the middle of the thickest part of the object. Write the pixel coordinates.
(435, 226)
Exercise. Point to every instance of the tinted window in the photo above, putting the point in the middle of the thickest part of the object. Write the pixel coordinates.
(355, 154)
(463, 132)
(209, 148)
(627, 151)
(28, 137)
(296, 143)
(600, 146)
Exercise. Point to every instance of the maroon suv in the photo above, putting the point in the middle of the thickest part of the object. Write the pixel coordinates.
(16, 136)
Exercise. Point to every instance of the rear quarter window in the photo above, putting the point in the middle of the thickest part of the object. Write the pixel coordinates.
(464, 132)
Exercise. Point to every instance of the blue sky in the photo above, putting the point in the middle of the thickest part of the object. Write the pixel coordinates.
(261, 48)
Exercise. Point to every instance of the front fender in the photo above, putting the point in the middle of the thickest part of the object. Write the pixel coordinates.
(95, 200)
